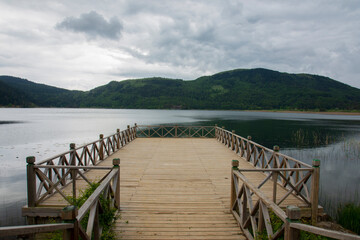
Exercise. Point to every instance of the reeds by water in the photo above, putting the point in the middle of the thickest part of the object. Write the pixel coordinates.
(339, 177)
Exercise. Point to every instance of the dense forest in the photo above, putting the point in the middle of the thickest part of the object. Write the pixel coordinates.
(240, 89)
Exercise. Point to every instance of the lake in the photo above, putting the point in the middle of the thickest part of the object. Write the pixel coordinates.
(41, 132)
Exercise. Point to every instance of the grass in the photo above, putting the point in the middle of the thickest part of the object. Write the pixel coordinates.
(277, 223)
(106, 217)
(312, 138)
(339, 177)
(348, 216)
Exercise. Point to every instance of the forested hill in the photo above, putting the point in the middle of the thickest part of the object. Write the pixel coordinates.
(23, 93)
(239, 89)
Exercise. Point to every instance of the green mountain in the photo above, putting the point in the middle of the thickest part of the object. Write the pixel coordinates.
(237, 89)
(39, 95)
(12, 97)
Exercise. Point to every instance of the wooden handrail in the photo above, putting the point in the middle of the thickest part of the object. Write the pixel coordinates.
(175, 131)
(275, 169)
(277, 210)
(222, 131)
(90, 201)
(74, 167)
(257, 216)
(290, 173)
(109, 188)
(53, 174)
(324, 232)
(32, 229)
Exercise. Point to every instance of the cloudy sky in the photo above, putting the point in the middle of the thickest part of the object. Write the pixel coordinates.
(83, 44)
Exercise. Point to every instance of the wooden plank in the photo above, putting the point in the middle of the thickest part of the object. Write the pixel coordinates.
(325, 232)
(29, 229)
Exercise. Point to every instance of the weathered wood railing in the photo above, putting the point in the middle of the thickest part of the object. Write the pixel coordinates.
(50, 176)
(255, 212)
(284, 171)
(109, 190)
(176, 131)
(75, 224)
(33, 229)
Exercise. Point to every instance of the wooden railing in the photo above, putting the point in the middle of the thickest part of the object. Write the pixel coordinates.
(108, 191)
(284, 171)
(33, 229)
(52, 175)
(256, 213)
(175, 131)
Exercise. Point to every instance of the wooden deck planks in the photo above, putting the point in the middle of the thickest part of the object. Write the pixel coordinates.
(178, 195)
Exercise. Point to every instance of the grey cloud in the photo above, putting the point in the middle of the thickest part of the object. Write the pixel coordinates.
(93, 24)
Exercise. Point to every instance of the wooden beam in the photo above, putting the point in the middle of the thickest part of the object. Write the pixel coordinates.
(31, 229)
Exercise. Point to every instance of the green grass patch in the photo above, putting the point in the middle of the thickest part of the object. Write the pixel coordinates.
(348, 216)
(106, 217)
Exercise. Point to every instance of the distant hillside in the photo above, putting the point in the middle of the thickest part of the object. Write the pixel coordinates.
(239, 89)
(40, 95)
(12, 97)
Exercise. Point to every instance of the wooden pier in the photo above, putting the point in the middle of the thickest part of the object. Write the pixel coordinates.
(173, 182)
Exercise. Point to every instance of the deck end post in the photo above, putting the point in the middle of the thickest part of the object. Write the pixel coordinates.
(276, 148)
(293, 215)
(216, 131)
(135, 130)
(234, 166)
(116, 163)
(31, 181)
(68, 215)
(314, 199)
(101, 147)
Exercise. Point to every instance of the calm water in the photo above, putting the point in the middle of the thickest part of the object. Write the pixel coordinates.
(42, 133)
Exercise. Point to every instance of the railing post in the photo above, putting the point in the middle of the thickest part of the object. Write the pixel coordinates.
(73, 171)
(248, 151)
(128, 134)
(116, 163)
(275, 174)
(136, 130)
(72, 154)
(294, 215)
(216, 132)
(101, 147)
(233, 140)
(31, 181)
(315, 190)
(223, 134)
(118, 138)
(234, 166)
(68, 215)
(175, 130)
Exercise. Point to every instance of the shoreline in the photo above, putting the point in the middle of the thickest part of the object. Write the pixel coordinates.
(307, 112)
(279, 111)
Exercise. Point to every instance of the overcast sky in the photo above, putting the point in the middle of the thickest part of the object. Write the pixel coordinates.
(83, 44)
